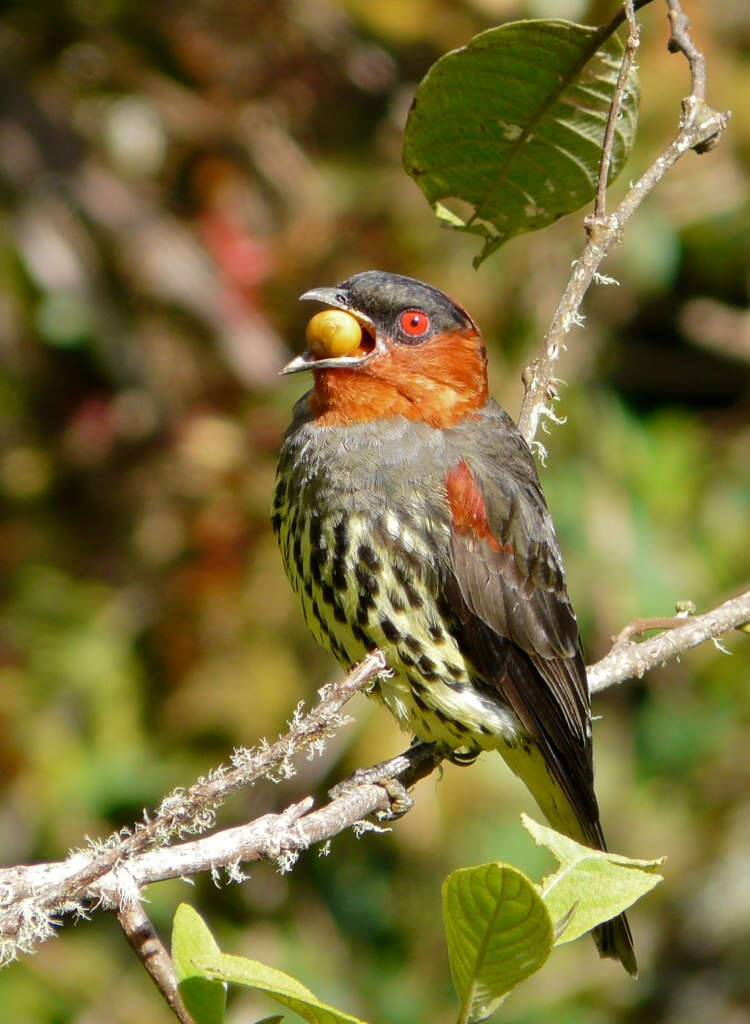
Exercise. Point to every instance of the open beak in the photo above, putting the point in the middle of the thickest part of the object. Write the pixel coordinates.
(369, 346)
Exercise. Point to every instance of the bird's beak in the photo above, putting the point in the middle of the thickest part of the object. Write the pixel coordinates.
(336, 299)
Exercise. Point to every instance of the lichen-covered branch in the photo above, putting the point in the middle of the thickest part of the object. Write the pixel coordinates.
(111, 876)
(32, 897)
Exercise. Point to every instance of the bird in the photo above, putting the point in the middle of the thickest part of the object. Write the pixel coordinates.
(410, 518)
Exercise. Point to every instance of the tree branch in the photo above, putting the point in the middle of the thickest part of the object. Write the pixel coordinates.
(112, 874)
(31, 898)
(629, 660)
(700, 129)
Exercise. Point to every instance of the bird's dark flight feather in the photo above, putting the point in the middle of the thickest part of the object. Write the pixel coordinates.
(519, 629)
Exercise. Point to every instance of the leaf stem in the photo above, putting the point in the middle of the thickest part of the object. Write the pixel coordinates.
(148, 947)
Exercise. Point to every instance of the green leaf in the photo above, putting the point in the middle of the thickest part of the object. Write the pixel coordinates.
(589, 887)
(283, 987)
(498, 932)
(513, 124)
(204, 998)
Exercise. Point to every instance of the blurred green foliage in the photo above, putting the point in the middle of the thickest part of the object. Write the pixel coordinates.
(172, 176)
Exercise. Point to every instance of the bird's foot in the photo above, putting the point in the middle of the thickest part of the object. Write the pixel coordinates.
(379, 775)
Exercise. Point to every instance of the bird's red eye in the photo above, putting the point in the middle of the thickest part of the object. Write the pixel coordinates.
(414, 322)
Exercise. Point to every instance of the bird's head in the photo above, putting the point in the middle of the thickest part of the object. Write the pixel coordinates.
(420, 355)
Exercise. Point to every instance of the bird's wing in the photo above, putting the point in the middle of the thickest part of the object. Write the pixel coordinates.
(506, 585)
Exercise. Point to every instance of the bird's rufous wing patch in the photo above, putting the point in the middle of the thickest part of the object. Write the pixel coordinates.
(468, 511)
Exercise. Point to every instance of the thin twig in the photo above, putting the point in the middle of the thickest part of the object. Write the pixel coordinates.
(700, 128)
(631, 46)
(631, 660)
(150, 950)
(646, 625)
(680, 42)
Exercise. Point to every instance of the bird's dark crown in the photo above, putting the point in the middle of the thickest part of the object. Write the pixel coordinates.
(383, 297)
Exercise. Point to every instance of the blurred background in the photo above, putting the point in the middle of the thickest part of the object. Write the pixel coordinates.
(172, 177)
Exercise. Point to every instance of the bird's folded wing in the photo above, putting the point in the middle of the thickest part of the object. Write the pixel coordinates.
(506, 585)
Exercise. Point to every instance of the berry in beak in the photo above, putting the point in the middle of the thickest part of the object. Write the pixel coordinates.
(333, 340)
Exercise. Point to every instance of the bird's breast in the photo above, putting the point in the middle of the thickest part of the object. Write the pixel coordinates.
(366, 554)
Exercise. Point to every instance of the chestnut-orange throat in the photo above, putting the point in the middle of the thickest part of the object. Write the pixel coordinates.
(440, 381)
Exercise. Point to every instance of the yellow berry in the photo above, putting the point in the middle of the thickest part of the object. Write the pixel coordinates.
(333, 333)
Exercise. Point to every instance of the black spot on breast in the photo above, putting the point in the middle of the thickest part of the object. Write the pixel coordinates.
(337, 649)
(279, 496)
(293, 523)
(328, 595)
(413, 598)
(400, 573)
(436, 632)
(338, 573)
(390, 632)
(298, 555)
(317, 561)
(276, 521)
(340, 539)
(364, 638)
(368, 584)
(368, 556)
(413, 644)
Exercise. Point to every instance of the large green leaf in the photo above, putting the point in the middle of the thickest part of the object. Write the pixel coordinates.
(513, 124)
(498, 932)
(204, 998)
(589, 887)
(283, 987)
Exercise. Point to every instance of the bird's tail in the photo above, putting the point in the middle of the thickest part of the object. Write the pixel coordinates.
(613, 938)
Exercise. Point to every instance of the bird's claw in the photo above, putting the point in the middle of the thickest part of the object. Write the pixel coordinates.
(400, 799)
